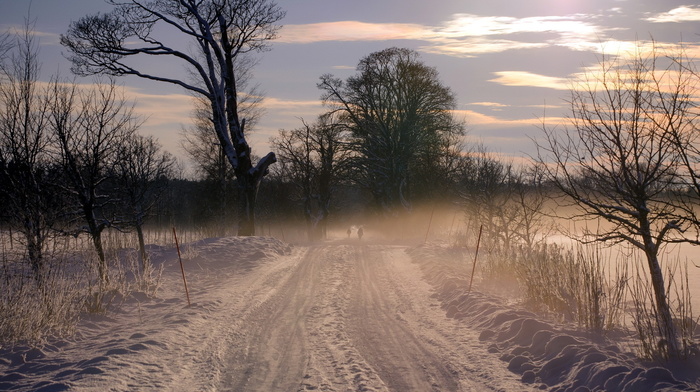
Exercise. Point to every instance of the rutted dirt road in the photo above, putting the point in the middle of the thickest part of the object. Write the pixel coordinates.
(352, 317)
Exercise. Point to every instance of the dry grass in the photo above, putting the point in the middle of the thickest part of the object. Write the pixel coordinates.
(648, 324)
(598, 287)
(572, 284)
(34, 310)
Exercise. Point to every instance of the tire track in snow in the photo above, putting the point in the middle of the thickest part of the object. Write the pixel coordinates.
(403, 360)
(353, 318)
(335, 364)
(273, 354)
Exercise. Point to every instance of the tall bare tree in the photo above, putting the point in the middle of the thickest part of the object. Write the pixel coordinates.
(89, 127)
(142, 171)
(220, 30)
(619, 161)
(203, 148)
(503, 199)
(30, 200)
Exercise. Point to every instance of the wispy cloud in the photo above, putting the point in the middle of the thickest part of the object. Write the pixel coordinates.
(489, 104)
(44, 38)
(279, 103)
(474, 25)
(474, 118)
(677, 15)
(350, 31)
(528, 79)
(464, 35)
(474, 46)
(162, 109)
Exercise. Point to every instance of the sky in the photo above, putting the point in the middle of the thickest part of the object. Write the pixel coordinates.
(509, 62)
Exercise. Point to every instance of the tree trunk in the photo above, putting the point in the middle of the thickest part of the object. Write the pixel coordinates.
(142, 247)
(34, 250)
(101, 260)
(666, 325)
(95, 232)
(246, 215)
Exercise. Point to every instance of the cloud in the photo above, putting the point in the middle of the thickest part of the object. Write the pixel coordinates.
(44, 38)
(528, 79)
(482, 120)
(464, 35)
(475, 46)
(279, 103)
(489, 104)
(473, 25)
(162, 109)
(677, 15)
(350, 31)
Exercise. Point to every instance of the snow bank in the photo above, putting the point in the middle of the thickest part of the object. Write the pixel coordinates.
(544, 354)
(148, 343)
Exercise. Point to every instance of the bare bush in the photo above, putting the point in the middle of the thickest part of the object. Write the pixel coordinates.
(505, 200)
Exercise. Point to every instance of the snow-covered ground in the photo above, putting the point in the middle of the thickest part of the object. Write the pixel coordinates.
(342, 315)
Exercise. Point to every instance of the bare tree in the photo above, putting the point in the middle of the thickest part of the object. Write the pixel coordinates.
(89, 127)
(220, 30)
(618, 161)
(30, 200)
(141, 174)
(6, 45)
(200, 141)
(505, 200)
(202, 145)
(314, 159)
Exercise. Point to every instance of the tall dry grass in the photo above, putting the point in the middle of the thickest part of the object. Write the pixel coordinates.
(602, 289)
(578, 284)
(649, 325)
(35, 309)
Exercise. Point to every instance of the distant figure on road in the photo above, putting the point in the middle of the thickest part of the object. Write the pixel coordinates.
(359, 233)
(349, 232)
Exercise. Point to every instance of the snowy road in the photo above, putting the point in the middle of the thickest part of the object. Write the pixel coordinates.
(338, 316)
(351, 317)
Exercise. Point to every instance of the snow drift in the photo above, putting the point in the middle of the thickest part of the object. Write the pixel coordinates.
(546, 356)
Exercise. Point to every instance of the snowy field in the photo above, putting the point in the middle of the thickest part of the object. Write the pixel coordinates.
(343, 315)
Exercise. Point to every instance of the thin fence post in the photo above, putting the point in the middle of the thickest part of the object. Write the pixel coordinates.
(429, 223)
(179, 256)
(478, 241)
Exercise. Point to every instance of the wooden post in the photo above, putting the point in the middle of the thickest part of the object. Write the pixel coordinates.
(478, 241)
(179, 256)
(429, 223)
